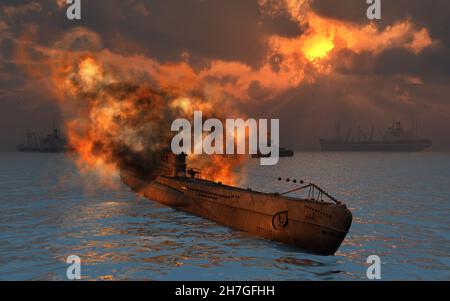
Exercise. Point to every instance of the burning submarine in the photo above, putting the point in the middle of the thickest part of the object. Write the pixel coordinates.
(316, 225)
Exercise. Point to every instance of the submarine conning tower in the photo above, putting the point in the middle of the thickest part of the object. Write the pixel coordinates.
(175, 165)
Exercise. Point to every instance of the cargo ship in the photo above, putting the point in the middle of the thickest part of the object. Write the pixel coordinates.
(394, 139)
(316, 224)
(52, 143)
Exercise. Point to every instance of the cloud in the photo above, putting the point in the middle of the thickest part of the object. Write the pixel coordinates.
(20, 10)
(288, 57)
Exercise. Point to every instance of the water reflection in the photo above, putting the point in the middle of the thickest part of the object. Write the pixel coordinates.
(47, 215)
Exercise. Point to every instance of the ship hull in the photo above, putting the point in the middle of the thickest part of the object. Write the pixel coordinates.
(375, 146)
(282, 154)
(312, 226)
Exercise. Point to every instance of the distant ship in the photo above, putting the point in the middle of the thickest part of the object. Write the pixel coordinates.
(283, 152)
(52, 143)
(395, 139)
(317, 224)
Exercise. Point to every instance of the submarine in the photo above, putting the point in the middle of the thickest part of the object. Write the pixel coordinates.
(317, 224)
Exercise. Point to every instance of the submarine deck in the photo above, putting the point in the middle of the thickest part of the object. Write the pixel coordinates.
(212, 184)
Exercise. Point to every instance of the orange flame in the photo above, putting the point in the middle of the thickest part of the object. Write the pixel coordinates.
(104, 117)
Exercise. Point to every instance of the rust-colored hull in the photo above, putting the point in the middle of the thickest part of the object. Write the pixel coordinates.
(316, 227)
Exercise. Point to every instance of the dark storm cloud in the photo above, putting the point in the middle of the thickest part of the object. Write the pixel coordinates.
(432, 63)
(366, 88)
(311, 111)
(432, 15)
(208, 29)
(24, 102)
(163, 29)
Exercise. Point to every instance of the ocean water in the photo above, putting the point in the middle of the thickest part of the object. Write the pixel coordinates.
(48, 211)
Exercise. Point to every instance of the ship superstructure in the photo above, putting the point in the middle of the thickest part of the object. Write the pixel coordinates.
(53, 142)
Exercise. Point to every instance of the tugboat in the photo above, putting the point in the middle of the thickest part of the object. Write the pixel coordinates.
(317, 224)
(52, 143)
(395, 139)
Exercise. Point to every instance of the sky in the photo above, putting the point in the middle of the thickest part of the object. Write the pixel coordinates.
(312, 64)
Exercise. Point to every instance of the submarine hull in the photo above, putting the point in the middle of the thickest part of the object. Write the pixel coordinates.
(313, 226)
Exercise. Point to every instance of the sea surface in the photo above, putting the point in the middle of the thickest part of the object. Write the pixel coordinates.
(49, 211)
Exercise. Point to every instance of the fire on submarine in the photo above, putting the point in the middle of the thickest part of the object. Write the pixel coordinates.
(316, 225)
